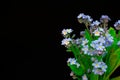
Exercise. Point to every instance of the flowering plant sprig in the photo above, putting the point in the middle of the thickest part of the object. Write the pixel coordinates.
(96, 51)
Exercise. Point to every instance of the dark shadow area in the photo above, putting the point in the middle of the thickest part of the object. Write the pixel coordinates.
(30, 35)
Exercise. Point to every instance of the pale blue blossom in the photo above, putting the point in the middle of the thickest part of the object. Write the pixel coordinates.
(95, 23)
(107, 43)
(118, 43)
(110, 38)
(107, 34)
(85, 49)
(99, 67)
(82, 33)
(101, 39)
(81, 15)
(96, 64)
(104, 19)
(66, 41)
(71, 61)
(92, 52)
(103, 66)
(84, 41)
(84, 17)
(88, 18)
(117, 25)
(98, 71)
(66, 31)
(93, 43)
(98, 44)
(97, 32)
(100, 47)
(84, 77)
(78, 41)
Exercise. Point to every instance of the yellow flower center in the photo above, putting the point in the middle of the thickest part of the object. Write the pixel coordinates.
(64, 32)
(66, 42)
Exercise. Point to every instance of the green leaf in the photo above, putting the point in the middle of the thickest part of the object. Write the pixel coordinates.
(85, 61)
(116, 78)
(94, 76)
(118, 36)
(68, 50)
(78, 71)
(88, 36)
(73, 36)
(112, 31)
(75, 49)
(113, 63)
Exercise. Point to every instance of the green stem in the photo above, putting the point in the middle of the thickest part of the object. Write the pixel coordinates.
(87, 27)
(106, 77)
(73, 50)
(112, 71)
(104, 25)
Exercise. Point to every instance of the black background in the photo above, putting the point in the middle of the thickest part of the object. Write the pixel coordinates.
(30, 35)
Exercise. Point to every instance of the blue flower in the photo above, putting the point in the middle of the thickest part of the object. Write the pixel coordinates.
(66, 31)
(88, 18)
(95, 23)
(103, 66)
(107, 43)
(93, 43)
(96, 64)
(78, 41)
(91, 52)
(98, 71)
(101, 39)
(84, 41)
(117, 25)
(118, 43)
(66, 41)
(85, 49)
(81, 15)
(82, 33)
(99, 67)
(97, 32)
(109, 37)
(108, 40)
(100, 47)
(84, 77)
(71, 61)
(104, 19)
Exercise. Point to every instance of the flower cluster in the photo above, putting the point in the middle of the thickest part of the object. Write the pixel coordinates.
(94, 49)
(99, 67)
(72, 61)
